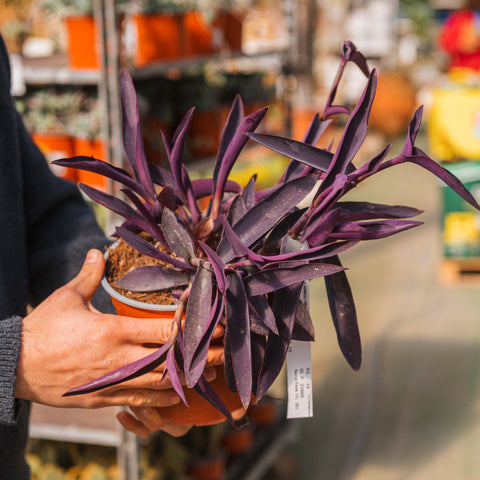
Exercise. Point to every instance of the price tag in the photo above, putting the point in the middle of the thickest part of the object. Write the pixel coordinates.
(299, 380)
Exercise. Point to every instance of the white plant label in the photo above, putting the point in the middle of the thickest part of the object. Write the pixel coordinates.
(299, 380)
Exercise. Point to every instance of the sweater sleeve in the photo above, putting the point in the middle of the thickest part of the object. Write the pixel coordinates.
(10, 333)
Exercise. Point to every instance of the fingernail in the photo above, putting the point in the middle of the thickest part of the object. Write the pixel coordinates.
(210, 374)
(173, 399)
(91, 256)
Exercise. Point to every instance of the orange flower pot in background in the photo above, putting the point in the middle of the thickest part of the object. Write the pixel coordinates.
(97, 149)
(83, 49)
(199, 412)
(55, 146)
(230, 25)
(159, 37)
(198, 35)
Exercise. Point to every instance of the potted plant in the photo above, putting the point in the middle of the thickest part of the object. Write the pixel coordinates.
(81, 29)
(169, 30)
(241, 263)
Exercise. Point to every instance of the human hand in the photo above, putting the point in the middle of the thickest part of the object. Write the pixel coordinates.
(66, 342)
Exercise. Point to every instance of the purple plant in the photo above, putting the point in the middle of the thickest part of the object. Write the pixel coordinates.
(244, 261)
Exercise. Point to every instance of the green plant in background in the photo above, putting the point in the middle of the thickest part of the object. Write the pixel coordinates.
(163, 6)
(67, 8)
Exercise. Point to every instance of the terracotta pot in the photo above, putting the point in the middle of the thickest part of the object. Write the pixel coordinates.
(97, 149)
(159, 37)
(198, 412)
(208, 469)
(394, 104)
(236, 442)
(55, 146)
(230, 25)
(263, 413)
(198, 35)
(83, 47)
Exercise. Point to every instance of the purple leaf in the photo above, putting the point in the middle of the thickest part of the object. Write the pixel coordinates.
(179, 239)
(175, 157)
(150, 278)
(238, 141)
(204, 389)
(204, 186)
(159, 175)
(307, 154)
(371, 230)
(91, 164)
(233, 121)
(366, 210)
(237, 210)
(259, 308)
(319, 226)
(344, 316)
(248, 193)
(200, 357)
(351, 54)
(197, 318)
(218, 267)
(284, 307)
(259, 343)
(171, 367)
(142, 246)
(239, 249)
(303, 329)
(131, 133)
(354, 133)
(312, 254)
(239, 336)
(266, 281)
(265, 215)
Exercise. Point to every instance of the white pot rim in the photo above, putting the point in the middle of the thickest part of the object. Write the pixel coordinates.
(129, 301)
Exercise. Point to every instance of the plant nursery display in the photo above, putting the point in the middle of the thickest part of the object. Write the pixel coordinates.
(237, 256)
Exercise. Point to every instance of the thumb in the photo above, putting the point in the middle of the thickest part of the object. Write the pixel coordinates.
(90, 276)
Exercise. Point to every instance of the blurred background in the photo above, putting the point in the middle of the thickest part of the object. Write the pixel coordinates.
(413, 410)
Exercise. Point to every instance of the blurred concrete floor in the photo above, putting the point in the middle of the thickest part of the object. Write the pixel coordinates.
(413, 410)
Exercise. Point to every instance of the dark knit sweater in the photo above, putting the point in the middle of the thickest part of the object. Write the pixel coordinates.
(45, 231)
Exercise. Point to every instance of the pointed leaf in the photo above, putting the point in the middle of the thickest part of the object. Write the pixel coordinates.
(179, 239)
(303, 329)
(260, 309)
(197, 318)
(266, 281)
(142, 246)
(344, 316)
(151, 278)
(266, 214)
(239, 336)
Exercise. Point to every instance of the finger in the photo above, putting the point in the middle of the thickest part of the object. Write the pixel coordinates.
(152, 331)
(156, 380)
(140, 397)
(130, 423)
(88, 279)
(152, 419)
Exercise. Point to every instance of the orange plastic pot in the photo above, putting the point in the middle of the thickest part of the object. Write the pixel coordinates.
(159, 37)
(208, 469)
(198, 35)
(55, 146)
(230, 24)
(82, 42)
(198, 412)
(236, 442)
(97, 149)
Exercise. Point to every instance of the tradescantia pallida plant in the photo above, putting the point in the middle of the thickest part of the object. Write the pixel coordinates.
(243, 262)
